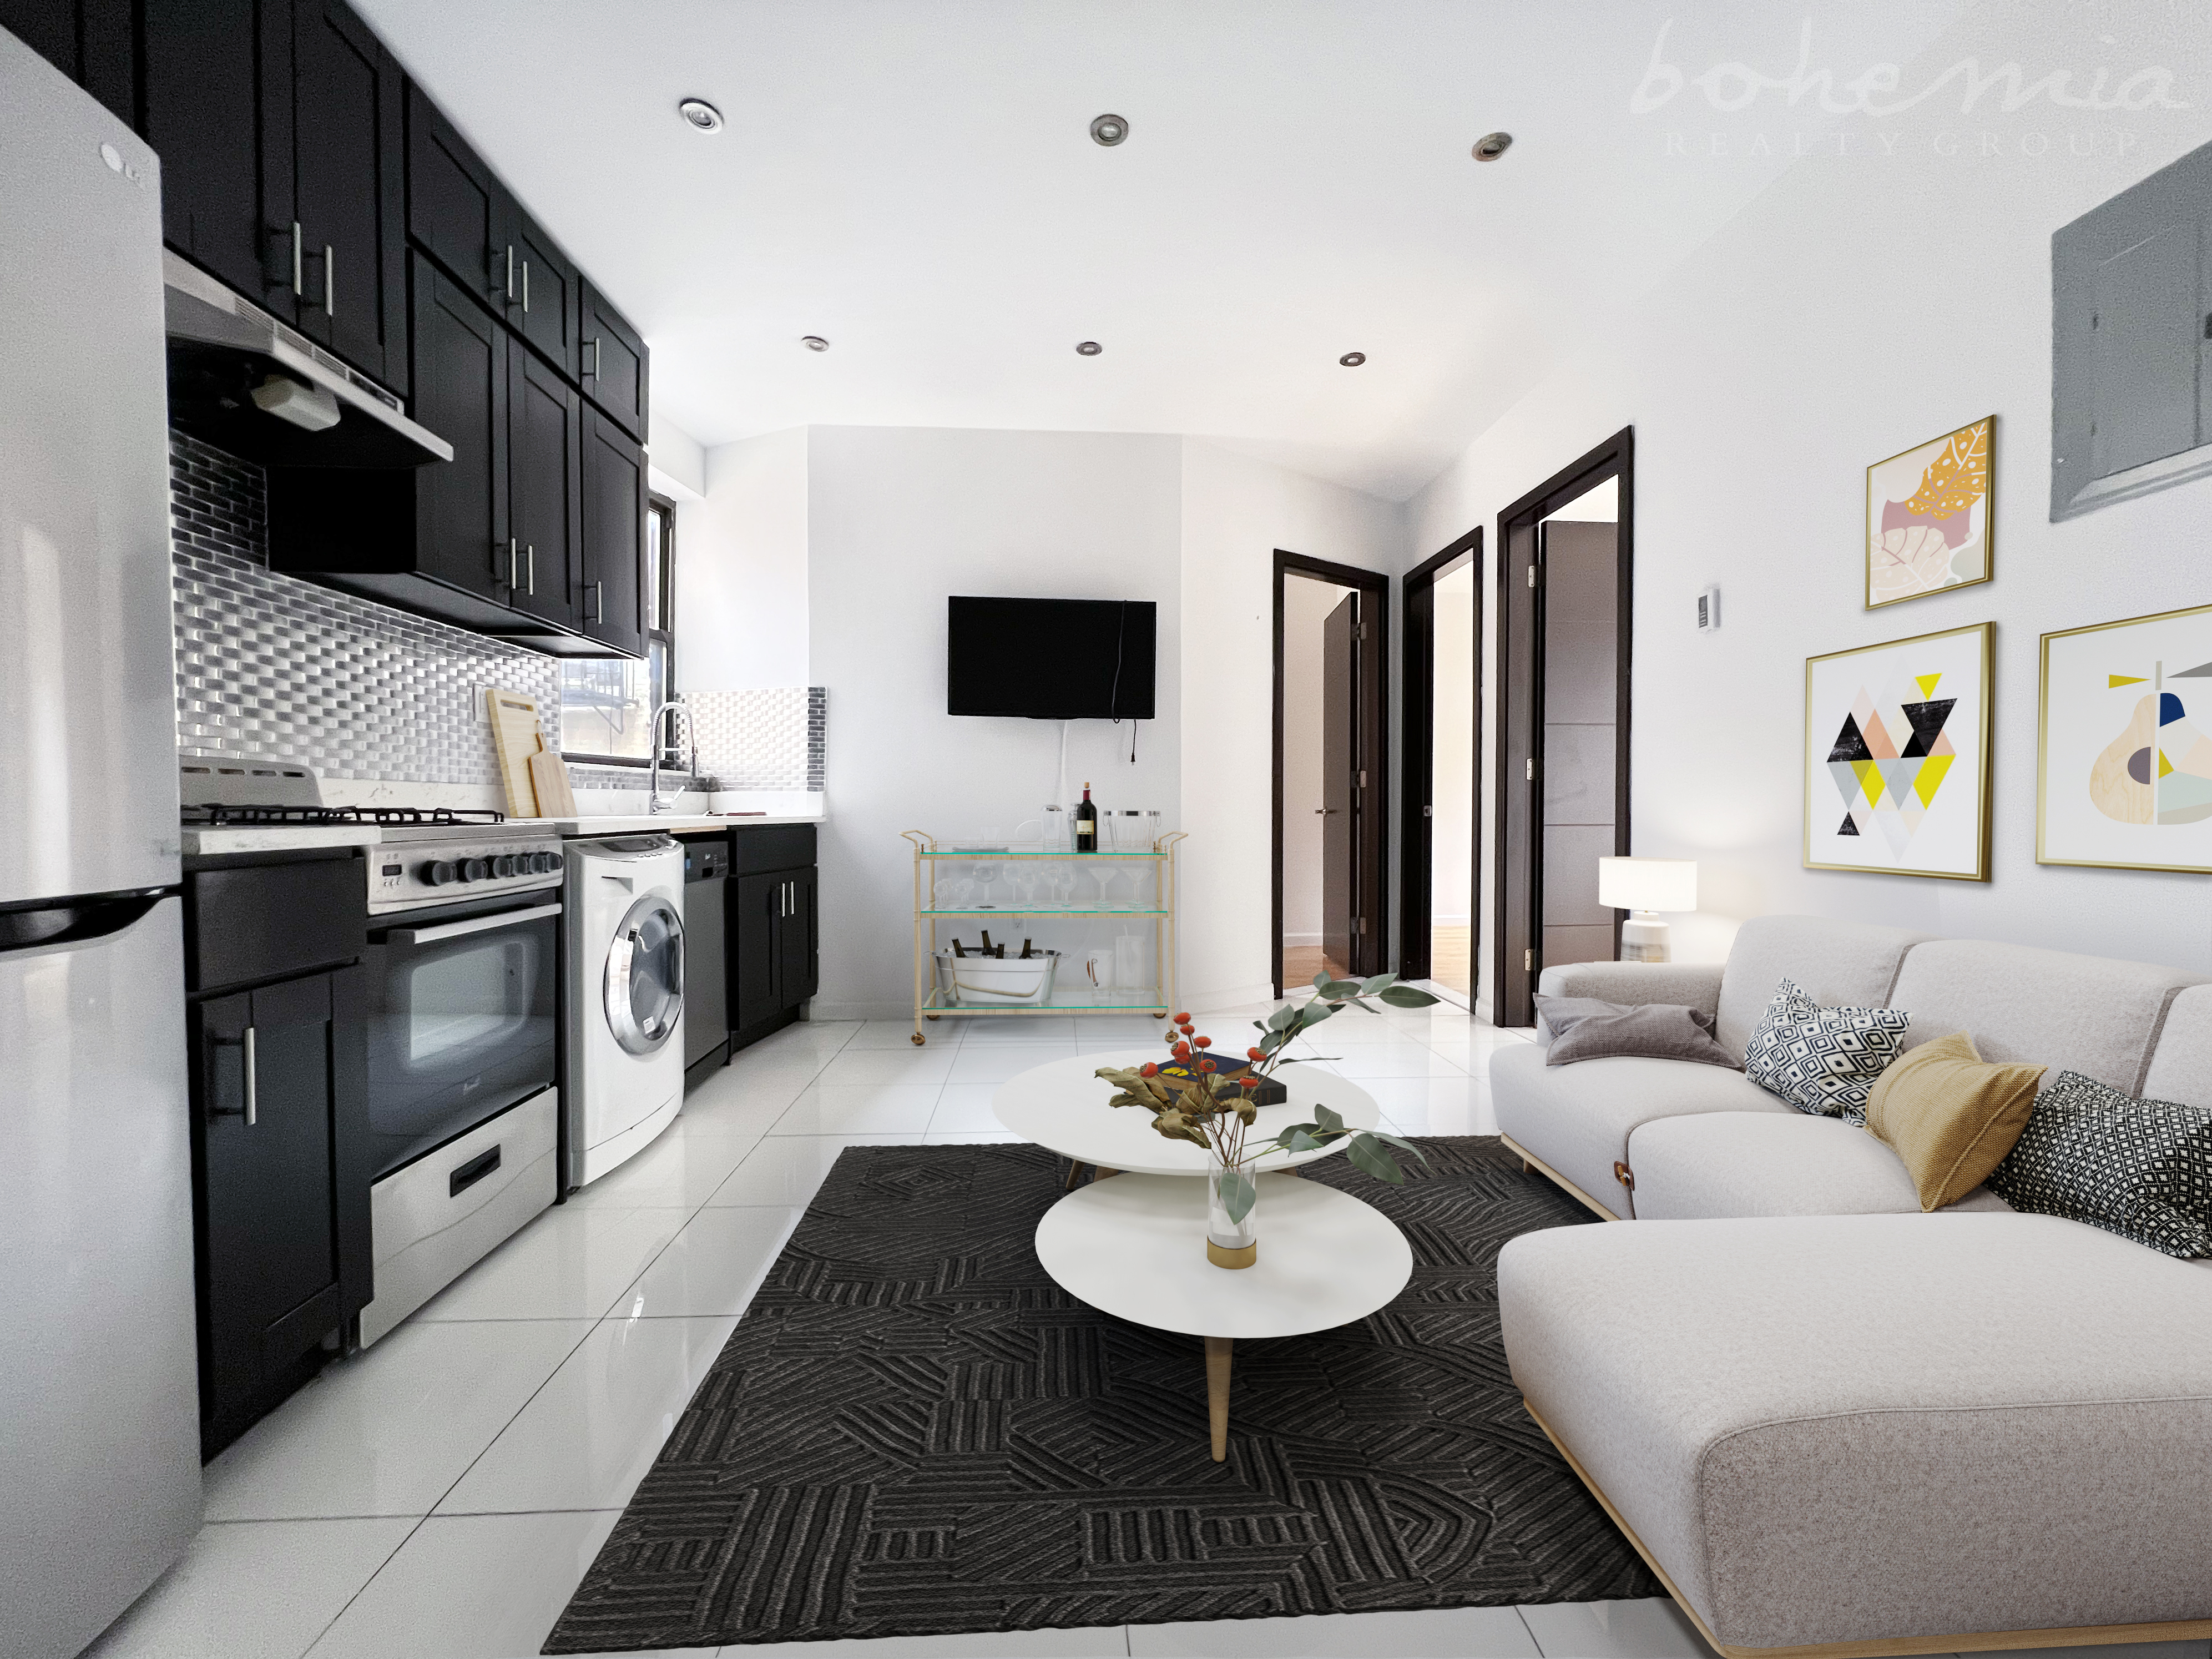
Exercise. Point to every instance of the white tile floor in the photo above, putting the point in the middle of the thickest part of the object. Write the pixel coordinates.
(439, 1495)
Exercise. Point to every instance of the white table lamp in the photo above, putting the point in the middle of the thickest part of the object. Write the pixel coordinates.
(1643, 886)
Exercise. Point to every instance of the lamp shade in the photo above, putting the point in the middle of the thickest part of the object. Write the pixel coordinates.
(1648, 884)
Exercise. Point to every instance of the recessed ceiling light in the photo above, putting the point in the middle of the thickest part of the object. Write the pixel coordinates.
(1352, 359)
(700, 115)
(1088, 349)
(1491, 145)
(814, 342)
(1109, 131)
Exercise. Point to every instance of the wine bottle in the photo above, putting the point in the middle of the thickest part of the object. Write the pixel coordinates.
(1086, 824)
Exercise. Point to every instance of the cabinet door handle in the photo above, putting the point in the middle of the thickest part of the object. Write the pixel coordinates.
(598, 602)
(525, 287)
(530, 570)
(253, 1085)
(593, 372)
(330, 281)
(511, 556)
(510, 271)
(299, 274)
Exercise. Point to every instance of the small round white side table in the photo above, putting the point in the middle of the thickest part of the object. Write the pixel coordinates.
(1135, 1248)
(1062, 1107)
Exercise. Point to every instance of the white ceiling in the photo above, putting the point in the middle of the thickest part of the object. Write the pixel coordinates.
(914, 180)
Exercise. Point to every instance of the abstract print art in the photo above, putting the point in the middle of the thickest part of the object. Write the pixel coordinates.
(1928, 516)
(1897, 771)
(2125, 763)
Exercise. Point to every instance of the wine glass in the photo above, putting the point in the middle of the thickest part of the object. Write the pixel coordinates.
(1103, 874)
(987, 873)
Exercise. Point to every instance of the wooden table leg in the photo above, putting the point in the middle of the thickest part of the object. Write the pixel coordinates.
(1099, 1172)
(1218, 1353)
(1074, 1175)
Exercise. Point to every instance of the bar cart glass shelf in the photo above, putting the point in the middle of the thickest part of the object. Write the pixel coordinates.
(982, 884)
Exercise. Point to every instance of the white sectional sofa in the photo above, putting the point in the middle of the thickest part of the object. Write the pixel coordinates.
(1833, 1425)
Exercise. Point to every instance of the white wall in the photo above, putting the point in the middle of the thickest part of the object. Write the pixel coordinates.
(1236, 512)
(897, 521)
(1873, 297)
(1451, 863)
(1306, 606)
(741, 559)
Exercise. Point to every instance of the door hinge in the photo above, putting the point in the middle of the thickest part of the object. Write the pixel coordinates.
(1363, 777)
(1359, 924)
(1532, 576)
(1359, 632)
(1428, 812)
(1532, 769)
(1528, 961)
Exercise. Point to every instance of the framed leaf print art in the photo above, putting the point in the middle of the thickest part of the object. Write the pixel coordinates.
(2123, 766)
(1897, 757)
(1928, 516)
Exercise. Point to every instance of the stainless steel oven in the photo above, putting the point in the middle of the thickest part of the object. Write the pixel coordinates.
(462, 963)
(463, 1018)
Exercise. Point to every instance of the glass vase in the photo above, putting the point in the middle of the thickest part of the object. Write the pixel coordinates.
(1230, 1242)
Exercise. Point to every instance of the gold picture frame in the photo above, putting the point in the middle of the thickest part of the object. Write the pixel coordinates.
(1897, 774)
(1931, 516)
(2135, 789)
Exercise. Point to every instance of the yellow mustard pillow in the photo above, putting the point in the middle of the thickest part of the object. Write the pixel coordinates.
(1950, 1115)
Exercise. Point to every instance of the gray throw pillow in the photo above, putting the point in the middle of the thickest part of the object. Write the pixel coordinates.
(1586, 1028)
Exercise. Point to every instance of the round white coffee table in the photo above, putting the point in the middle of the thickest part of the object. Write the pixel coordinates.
(1061, 1106)
(1135, 1248)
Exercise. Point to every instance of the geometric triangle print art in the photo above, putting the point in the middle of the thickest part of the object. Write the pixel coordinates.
(1899, 780)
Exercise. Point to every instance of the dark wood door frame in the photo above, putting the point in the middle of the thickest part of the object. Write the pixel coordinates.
(1374, 588)
(1516, 910)
(1417, 772)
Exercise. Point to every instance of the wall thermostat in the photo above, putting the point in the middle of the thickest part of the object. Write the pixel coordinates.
(1709, 610)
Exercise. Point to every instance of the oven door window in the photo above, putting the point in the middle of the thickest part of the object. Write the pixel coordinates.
(464, 1029)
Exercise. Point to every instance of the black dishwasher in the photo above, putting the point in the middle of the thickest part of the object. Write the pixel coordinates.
(707, 958)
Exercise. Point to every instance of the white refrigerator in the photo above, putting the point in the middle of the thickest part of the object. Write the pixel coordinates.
(99, 1485)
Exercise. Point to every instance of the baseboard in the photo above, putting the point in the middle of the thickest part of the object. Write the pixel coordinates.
(1301, 941)
(1887, 1647)
(1207, 1002)
(819, 1011)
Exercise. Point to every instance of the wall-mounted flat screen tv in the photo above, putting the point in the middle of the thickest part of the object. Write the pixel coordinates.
(1050, 660)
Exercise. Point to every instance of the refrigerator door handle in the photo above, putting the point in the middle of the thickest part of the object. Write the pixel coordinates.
(252, 1091)
(69, 920)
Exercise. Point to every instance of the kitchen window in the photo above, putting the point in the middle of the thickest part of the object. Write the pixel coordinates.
(607, 702)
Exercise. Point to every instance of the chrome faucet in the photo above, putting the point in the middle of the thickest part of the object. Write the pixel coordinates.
(653, 737)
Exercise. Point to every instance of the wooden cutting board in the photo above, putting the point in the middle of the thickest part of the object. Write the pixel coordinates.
(549, 775)
(515, 735)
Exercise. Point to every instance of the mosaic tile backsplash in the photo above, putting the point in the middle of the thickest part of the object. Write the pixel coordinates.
(269, 666)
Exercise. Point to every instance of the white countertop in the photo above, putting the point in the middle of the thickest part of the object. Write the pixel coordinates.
(641, 822)
(202, 842)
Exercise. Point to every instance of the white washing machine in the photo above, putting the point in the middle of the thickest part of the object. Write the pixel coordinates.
(625, 1001)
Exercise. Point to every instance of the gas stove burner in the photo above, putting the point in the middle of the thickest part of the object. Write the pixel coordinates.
(215, 815)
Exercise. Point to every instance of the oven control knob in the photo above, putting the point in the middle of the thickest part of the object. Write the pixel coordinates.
(476, 870)
(555, 862)
(541, 864)
(506, 865)
(440, 873)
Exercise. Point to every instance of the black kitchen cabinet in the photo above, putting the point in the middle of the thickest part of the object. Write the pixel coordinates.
(280, 1133)
(612, 608)
(775, 931)
(279, 1073)
(349, 190)
(614, 362)
(462, 393)
(456, 205)
(87, 40)
(280, 127)
(544, 447)
(212, 71)
(546, 306)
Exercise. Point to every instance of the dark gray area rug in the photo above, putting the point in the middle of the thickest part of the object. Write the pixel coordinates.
(915, 1432)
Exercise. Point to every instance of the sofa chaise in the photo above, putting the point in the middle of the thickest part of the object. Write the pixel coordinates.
(1836, 1427)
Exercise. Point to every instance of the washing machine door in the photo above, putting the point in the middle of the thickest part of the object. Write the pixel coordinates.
(645, 975)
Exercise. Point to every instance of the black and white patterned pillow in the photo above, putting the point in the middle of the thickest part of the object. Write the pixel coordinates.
(2142, 1168)
(1823, 1061)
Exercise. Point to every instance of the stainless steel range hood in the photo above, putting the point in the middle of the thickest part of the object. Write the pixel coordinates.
(246, 384)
